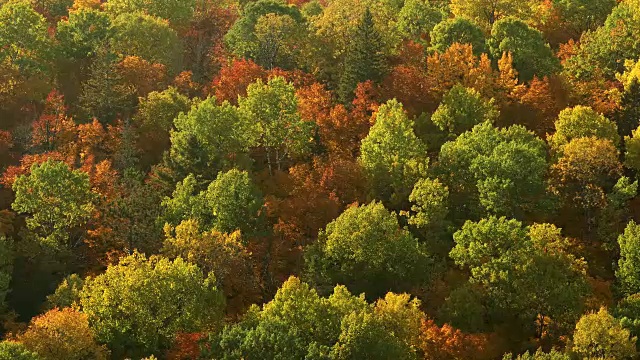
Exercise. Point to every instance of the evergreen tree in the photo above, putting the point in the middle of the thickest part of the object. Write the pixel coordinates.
(364, 60)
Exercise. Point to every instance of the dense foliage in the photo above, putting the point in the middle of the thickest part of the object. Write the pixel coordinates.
(319, 179)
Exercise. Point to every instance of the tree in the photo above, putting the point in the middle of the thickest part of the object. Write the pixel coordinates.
(105, 95)
(600, 52)
(457, 30)
(6, 269)
(581, 15)
(83, 33)
(179, 13)
(628, 115)
(279, 41)
(587, 168)
(429, 210)
(62, 334)
(430, 199)
(487, 164)
(627, 311)
(461, 109)
(151, 38)
(223, 254)
(246, 38)
(67, 294)
(277, 125)
(187, 202)
(448, 343)
(236, 203)
(600, 336)
(508, 260)
(579, 122)
(219, 135)
(632, 153)
(392, 156)
(539, 355)
(487, 12)
(25, 53)
(12, 350)
(59, 201)
(417, 18)
(531, 55)
(23, 38)
(138, 306)
(154, 121)
(234, 79)
(365, 249)
(364, 60)
(298, 323)
(363, 337)
(628, 273)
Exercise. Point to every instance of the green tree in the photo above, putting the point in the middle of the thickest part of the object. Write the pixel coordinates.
(84, 32)
(531, 55)
(582, 121)
(526, 273)
(154, 121)
(138, 306)
(179, 13)
(277, 127)
(187, 202)
(151, 38)
(297, 323)
(392, 156)
(604, 50)
(628, 115)
(24, 41)
(487, 12)
(300, 324)
(483, 169)
(417, 18)
(67, 294)
(628, 271)
(363, 336)
(627, 311)
(583, 15)
(364, 60)
(457, 30)
(223, 254)
(25, 55)
(279, 41)
(600, 336)
(632, 153)
(57, 200)
(157, 111)
(11, 350)
(463, 108)
(366, 249)
(218, 134)
(539, 355)
(236, 203)
(430, 199)
(429, 210)
(246, 39)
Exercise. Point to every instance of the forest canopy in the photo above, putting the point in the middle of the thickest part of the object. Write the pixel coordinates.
(319, 179)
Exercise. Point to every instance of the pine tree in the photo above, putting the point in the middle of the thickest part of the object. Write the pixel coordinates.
(364, 60)
(628, 117)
